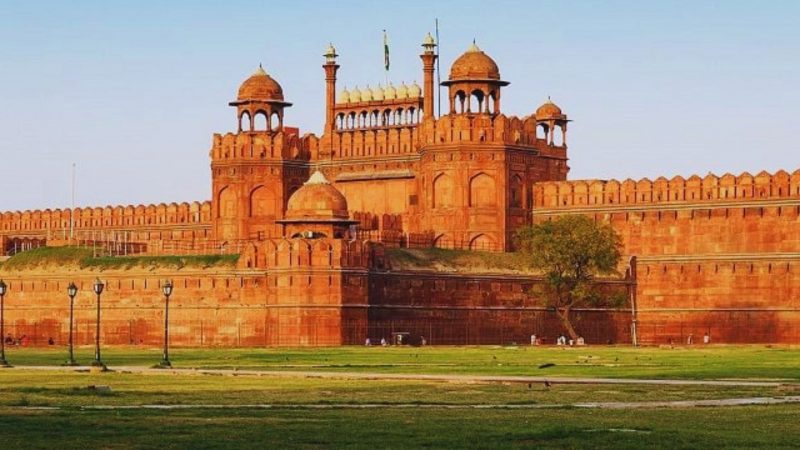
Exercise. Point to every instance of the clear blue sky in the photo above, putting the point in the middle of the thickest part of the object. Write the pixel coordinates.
(132, 91)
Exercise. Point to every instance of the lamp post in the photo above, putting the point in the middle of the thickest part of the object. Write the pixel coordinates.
(72, 291)
(3, 362)
(166, 288)
(98, 289)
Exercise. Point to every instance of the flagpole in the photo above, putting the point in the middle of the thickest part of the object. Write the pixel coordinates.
(386, 55)
(438, 72)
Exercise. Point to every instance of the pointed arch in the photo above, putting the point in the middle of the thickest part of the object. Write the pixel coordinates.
(244, 122)
(226, 201)
(260, 121)
(482, 191)
(443, 190)
(482, 242)
(262, 202)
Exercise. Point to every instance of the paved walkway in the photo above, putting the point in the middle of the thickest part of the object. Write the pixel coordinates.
(417, 377)
(384, 406)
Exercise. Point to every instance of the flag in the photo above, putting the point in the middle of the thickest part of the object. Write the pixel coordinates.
(385, 50)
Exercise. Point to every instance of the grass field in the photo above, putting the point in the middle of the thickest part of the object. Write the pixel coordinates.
(713, 362)
(52, 408)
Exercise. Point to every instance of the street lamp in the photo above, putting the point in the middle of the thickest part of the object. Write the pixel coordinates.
(98, 289)
(166, 288)
(3, 362)
(72, 291)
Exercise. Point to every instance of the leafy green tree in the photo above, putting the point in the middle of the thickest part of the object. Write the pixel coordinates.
(571, 251)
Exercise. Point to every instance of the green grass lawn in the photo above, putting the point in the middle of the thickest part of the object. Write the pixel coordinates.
(713, 362)
(744, 427)
(441, 414)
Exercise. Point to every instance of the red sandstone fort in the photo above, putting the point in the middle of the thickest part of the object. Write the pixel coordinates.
(312, 217)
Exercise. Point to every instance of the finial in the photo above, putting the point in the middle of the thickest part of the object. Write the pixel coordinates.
(317, 178)
(330, 54)
(260, 70)
(474, 47)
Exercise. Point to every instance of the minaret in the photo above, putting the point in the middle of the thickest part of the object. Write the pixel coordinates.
(428, 63)
(330, 67)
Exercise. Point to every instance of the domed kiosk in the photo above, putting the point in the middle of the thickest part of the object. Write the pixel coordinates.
(260, 95)
(317, 210)
(474, 83)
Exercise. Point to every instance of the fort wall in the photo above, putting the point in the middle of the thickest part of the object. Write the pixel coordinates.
(717, 255)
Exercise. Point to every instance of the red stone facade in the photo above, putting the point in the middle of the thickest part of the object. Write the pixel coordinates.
(718, 255)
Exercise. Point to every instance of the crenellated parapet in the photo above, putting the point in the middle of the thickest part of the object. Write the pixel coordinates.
(677, 190)
(262, 146)
(497, 129)
(299, 254)
(109, 217)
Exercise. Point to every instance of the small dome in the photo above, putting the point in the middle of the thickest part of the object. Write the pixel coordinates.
(549, 110)
(402, 91)
(260, 86)
(317, 199)
(330, 52)
(344, 96)
(428, 41)
(366, 94)
(414, 91)
(474, 64)
(355, 95)
(377, 93)
(389, 93)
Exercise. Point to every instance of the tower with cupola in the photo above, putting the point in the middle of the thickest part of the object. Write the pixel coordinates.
(256, 169)
(478, 165)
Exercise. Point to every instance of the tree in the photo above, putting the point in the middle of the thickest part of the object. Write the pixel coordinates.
(571, 251)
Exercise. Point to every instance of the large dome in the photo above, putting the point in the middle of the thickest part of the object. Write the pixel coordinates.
(260, 86)
(317, 200)
(474, 64)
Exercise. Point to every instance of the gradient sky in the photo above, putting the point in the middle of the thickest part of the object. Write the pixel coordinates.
(132, 91)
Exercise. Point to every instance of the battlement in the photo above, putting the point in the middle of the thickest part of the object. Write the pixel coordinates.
(490, 128)
(308, 254)
(127, 217)
(262, 145)
(711, 188)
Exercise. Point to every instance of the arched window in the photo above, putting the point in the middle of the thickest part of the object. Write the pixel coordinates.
(262, 202)
(542, 130)
(476, 101)
(260, 121)
(482, 191)
(274, 121)
(244, 122)
(227, 203)
(558, 135)
(442, 191)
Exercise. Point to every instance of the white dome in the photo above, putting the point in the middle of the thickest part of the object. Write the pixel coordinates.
(366, 94)
(355, 95)
(377, 93)
(389, 93)
(414, 91)
(402, 91)
(344, 96)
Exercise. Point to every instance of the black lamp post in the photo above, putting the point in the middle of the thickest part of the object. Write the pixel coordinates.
(72, 291)
(167, 289)
(3, 362)
(98, 289)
